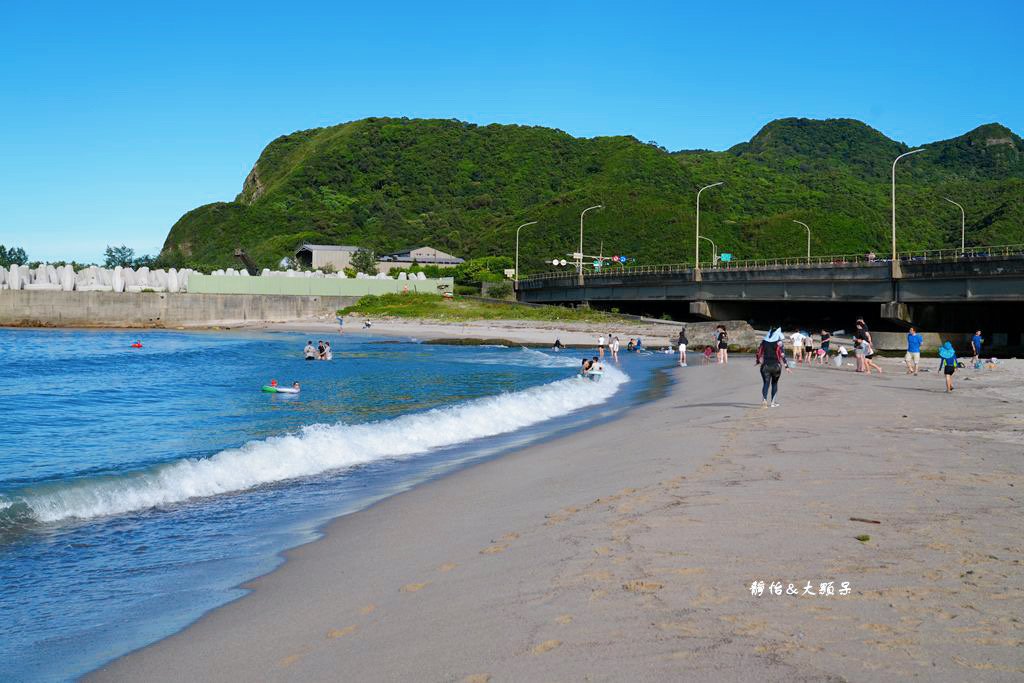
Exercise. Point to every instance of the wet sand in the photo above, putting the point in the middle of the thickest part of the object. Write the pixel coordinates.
(626, 552)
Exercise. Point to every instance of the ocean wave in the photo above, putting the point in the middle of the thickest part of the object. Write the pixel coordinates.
(525, 357)
(312, 450)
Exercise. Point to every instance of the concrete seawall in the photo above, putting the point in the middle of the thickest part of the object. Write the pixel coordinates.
(108, 309)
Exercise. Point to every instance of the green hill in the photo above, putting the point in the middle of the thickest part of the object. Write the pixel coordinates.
(396, 183)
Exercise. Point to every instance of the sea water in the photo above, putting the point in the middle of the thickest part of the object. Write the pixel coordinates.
(140, 487)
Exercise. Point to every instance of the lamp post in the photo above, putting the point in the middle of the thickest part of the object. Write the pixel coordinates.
(517, 249)
(714, 248)
(598, 206)
(963, 223)
(808, 237)
(905, 154)
(696, 253)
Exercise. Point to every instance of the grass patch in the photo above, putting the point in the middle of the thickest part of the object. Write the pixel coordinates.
(436, 307)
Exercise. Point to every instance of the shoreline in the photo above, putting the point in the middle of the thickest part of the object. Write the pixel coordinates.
(577, 555)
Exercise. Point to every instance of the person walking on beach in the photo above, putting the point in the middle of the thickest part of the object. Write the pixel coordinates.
(600, 346)
(797, 338)
(947, 364)
(869, 353)
(683, 341)
(976, 342)
(772, 358)
(860, 336)
(826, 341)
(913, 357)
(722, 337)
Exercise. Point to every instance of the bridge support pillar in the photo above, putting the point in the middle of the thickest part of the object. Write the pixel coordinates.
(701, 310)
(896, 312)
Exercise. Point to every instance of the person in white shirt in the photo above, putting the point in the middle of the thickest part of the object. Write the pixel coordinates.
(309, 353)
(798, 346)
(600, 346)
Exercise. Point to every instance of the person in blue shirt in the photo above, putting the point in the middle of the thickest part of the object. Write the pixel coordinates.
(976, 341)
(913, 357)
(947, 364)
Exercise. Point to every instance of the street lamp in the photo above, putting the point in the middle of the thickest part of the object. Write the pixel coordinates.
(808, 237)
(696, 253)
(905, 154)
(963, 222)
(714, 248)
(517, 249)
(598, 206)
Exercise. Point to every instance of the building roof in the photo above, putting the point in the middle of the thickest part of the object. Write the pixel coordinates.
(406, 255)
(326, 247)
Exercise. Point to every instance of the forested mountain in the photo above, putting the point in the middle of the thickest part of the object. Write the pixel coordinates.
(389, 184)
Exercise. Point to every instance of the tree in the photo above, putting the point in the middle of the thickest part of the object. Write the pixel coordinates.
(12, 256)
(483, 269)
(365, 261)
(118, 256)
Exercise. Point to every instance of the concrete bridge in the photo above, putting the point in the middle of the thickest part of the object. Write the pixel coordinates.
(916, 289)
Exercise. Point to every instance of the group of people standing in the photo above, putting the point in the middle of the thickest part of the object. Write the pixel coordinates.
(322, 350)
(720, 346)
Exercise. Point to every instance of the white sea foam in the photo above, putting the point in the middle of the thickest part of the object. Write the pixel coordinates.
(317, 449)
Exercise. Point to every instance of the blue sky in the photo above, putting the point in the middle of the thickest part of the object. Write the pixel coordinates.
(116, 119)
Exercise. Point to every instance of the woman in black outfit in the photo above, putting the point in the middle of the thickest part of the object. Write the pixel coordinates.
(772, 358)
(722, 337)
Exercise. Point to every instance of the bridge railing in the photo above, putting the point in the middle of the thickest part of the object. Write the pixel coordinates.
(838, 260)
(968, 253)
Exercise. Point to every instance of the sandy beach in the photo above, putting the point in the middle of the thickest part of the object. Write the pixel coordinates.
(629, 551)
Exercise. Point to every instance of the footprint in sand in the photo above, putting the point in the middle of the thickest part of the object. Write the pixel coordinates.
(637, 586)
(546, 646)
(563, 619)
(560, 516)
(447, 567)
(341, 632)
(494, 549)
(510, 536)
(291, 659)
(413, 587)
(477, 678)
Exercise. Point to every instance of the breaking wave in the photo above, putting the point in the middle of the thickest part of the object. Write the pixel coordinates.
(313, 450)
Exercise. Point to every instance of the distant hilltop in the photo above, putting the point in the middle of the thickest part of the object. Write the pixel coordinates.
(387, 184)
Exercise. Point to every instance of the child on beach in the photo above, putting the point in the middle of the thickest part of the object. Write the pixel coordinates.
(947, 364)
(869, 353)
(708, 354)
(683, 341)
(797, 339)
